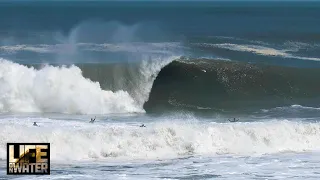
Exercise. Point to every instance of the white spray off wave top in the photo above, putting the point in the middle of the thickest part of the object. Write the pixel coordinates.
(57, 89)
(149, 68)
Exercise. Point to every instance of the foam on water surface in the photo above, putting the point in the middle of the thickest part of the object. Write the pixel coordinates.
(168, 148)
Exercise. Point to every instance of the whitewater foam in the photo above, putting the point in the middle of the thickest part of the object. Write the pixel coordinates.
(294, 107)
(260, 50)
(72, 140)
(254, 48)
(66, 90)
(33, 48)
(160, 48)
(148, 71)
(57, 89)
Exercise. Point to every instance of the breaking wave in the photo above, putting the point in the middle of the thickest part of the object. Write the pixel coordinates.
(57, 89)
(157, 83)
(164, 139)
(203, 84)
(65, 89)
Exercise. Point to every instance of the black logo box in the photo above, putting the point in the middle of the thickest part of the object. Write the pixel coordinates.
(33, 144)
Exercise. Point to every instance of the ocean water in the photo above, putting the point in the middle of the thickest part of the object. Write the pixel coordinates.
(181, 68)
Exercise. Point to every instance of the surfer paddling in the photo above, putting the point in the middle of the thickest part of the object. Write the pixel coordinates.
(92, 120)
(35, 124)
(233, 120)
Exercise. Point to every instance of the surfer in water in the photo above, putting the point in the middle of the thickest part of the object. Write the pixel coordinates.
(142, 125)
(92, 120)
(35, 124)
(233, 120)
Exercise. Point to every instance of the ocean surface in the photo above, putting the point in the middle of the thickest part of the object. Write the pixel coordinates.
(183, 69)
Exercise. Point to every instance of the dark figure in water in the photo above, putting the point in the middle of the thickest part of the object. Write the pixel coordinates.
(35, 124)
(92, 120)
(233, 120)
(142, 125)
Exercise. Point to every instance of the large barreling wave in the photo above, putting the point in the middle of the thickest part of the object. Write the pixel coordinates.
(210, 85)
(154, 85)
(117, 68)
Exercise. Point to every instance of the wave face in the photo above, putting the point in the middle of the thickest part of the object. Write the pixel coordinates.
(134, 78)
(220, 85)
(163, 139)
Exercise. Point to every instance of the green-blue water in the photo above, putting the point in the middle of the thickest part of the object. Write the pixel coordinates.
(291, 27)
(182, 69)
